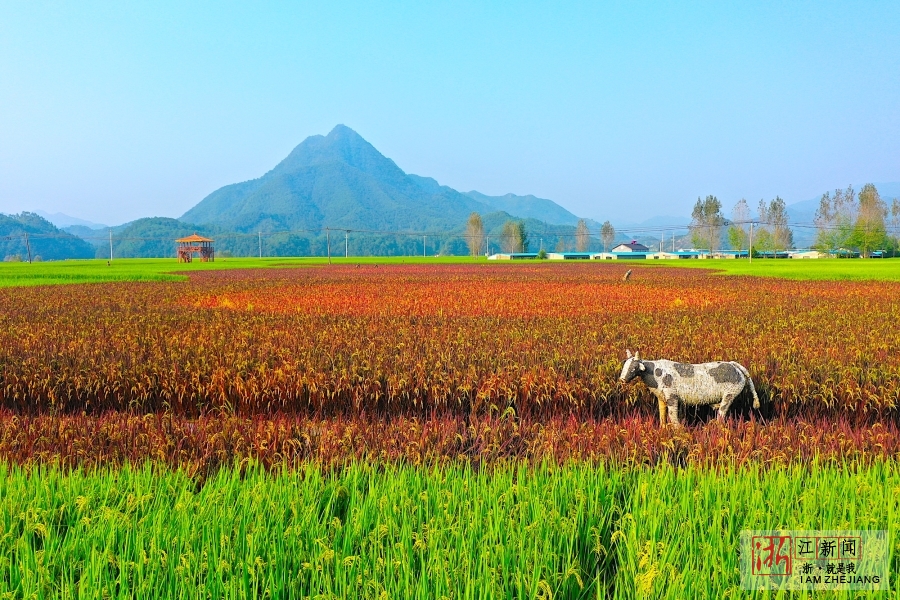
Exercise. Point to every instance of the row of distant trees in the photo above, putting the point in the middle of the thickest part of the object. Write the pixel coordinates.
(860, 221)
(770, 234)
(845, 220)
(514, 236)
(583, 236)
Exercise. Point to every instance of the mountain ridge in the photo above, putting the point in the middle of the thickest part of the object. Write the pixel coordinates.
(45, 241)
(341, 181)
(62, 220)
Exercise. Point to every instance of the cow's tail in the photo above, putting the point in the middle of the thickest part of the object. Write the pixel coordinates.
(750, 381)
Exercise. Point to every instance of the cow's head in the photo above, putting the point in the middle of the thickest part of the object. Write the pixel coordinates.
(632, 368)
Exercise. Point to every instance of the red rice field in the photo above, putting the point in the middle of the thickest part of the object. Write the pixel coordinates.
(440, 362)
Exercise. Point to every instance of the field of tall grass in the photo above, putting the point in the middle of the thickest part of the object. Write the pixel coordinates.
(426, 340)
(429, 430)
(395, 531)
(18, 274)
(23, 274)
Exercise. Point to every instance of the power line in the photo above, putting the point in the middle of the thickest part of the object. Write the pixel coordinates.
(549, 231)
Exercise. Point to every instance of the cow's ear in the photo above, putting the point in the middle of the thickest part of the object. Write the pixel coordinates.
(627, 353)
(643, 368)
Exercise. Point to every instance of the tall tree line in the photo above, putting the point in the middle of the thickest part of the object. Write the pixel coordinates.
(771, 234)
(738, 235)
(475, 234)
(582, 236)
(846, 219)
(774, 234)
(514, 237)
(706, 224)
(607, 235)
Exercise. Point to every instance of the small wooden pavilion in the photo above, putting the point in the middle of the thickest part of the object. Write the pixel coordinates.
(195, 244)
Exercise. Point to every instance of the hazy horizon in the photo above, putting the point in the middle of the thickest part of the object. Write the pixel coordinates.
(112, 113)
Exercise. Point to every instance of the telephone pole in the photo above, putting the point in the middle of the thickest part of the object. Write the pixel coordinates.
(328, 243)
(110, 245)
(423, 246)
(347, 244)
(260, 243)
(750, 249)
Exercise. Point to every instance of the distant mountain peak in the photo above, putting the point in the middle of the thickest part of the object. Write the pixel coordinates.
(341, 145)
(340, 180)
(63, 220)
(341, 130)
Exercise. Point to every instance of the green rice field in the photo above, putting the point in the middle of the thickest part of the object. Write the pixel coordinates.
(168, 269)
(16, 274)
(395, 531)
(386, 500)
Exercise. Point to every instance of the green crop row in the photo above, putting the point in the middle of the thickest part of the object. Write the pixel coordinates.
(23, 274)
(382, 531)
(18, 274)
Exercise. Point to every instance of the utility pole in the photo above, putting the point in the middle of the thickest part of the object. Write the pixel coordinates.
(260, 243)
(423, 246)
(28, 247)
(750, 249)
(110, 245)
(347, 244)
(328, 243)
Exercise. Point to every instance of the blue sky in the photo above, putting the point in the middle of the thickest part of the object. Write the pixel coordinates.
(113, 111)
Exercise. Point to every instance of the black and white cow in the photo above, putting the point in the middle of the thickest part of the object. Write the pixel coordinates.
(674, 384)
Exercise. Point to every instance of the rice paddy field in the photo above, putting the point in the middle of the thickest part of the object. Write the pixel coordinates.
(18, 274)
(432, 429)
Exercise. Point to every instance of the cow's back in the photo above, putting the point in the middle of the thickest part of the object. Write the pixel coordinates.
(704, 383)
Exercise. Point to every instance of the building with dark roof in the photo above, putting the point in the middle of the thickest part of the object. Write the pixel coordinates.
(632, 247)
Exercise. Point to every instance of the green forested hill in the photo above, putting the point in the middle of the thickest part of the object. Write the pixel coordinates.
(151, 237)
(46, 241)
(338, 182)
(155, 237)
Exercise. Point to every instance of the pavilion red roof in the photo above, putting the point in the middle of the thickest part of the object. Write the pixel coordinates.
(193, 239)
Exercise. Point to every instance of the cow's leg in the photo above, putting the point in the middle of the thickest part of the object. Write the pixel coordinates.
(727, 399)
(662, 410)
(672, 403)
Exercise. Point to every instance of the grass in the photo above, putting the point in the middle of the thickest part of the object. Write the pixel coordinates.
(372, 530)
(18, 274)
(167, 269)
(393, 531)
(831, 269)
